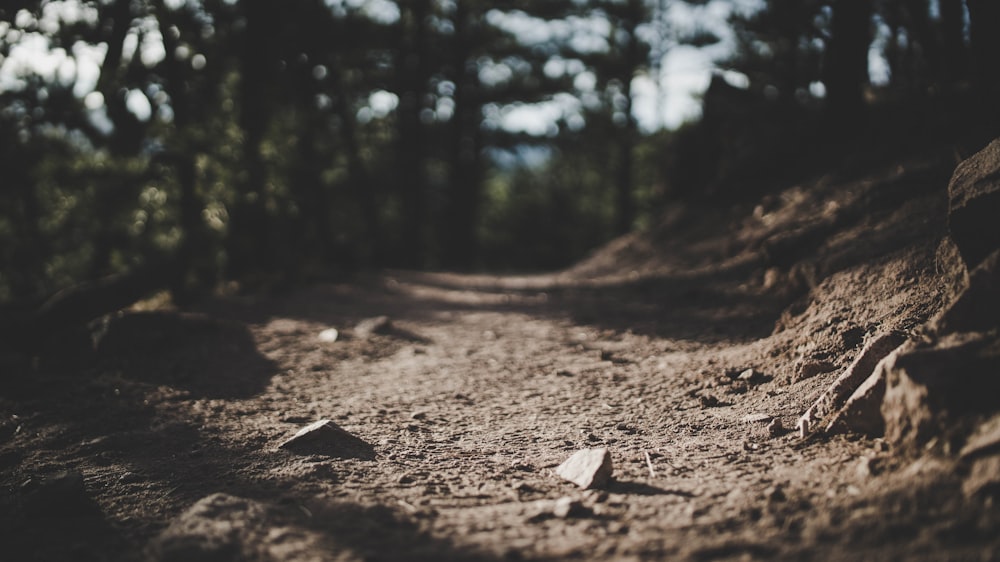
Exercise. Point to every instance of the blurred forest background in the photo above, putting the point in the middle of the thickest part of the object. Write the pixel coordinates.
(187, 145)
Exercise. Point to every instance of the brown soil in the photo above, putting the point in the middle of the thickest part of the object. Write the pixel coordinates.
(482, 385)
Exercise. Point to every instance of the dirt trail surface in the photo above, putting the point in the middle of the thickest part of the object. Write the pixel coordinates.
(688, 353)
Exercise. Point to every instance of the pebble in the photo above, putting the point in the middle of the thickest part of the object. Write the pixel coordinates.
(566, 507)
(587, 468)
(866, 467)
(757, 418)
(809, 369)
(752, 376)
(708, 401)
(328, 335)
(775, 429)
(325, 437)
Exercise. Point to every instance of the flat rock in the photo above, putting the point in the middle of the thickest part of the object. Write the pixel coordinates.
(974, 205)
(810, 368)
(862, 411)
(837, 394)
(752, 376)
(587, 468)
(757, 418)
(325, 437)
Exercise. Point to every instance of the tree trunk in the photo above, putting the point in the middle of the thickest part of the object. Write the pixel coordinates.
(955, 56)
(845, 68)
(625, 205)
(984, 24)
(458, 229)
(356, 170)
(411, 183)
(195, 272)
(249, 249)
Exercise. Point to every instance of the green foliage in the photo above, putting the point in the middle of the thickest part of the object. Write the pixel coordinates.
(266, 142)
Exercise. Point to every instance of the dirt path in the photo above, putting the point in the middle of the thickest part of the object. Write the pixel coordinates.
(478, 387)
(470, 398)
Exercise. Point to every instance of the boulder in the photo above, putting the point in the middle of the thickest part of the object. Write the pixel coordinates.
(977, 308)
(974, 205)
(936, 380)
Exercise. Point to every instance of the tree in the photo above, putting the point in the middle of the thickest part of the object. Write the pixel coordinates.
(984, 21)
(250, 248)
(845, 63)
(779, 48)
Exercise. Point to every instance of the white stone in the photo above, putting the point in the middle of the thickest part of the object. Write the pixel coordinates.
(587, 468)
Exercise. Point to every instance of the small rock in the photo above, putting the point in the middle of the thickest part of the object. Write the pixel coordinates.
(587, 468)
(328, 335)
(738, 387)
(327, 438)
(757, 418)
(862, 411)
(708, 401)
(371, 326)
(809, 369)
(522, 466)
(775, 429)
(626, 428)
(836, 395)
(129, 478)
(775, 493)
(867, 467)
(566, 507)
(523, 487)
(771, 278)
